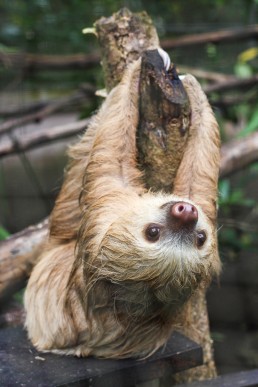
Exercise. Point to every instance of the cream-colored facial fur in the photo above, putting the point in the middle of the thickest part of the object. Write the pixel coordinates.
(101, 286)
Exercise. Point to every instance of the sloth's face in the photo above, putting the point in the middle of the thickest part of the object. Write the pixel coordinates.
(162, 239)
(160, 222)
(179, 223)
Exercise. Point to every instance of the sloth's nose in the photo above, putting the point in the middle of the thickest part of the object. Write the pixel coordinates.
(184, 214)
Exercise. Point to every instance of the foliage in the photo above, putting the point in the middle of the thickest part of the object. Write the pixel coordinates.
(3, 233)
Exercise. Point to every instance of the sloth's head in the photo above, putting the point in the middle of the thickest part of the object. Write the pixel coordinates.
(162, 240)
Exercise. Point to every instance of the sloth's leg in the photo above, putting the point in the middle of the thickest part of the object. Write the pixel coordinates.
(197, 175)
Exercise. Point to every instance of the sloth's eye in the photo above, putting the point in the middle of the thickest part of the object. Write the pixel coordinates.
(152, 232)
(201, 239)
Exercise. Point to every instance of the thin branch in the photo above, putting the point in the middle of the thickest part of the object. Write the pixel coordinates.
(47, 110)
(80, 61)
(232, 84)
(212, 37)
(34, 62)
(207, 75)
(41, 136)
(223, 102)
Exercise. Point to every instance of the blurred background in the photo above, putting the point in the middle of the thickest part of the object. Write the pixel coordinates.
(49, 72)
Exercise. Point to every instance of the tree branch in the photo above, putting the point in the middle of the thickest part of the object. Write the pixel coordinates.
(238, 154)
(52, 107)
(34, 62)
(18, 255)
(212, 37)
(232, 84)
(41, 136)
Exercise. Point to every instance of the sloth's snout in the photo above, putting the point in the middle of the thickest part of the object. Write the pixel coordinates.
(183, 215)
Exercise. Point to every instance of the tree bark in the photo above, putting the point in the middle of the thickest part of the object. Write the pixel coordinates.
(164, 122)
(122, 39)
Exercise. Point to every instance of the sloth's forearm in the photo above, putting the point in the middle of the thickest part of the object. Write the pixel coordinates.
(197, 175)
(113, 153)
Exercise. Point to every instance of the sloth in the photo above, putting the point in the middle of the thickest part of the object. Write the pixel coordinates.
(121, 262)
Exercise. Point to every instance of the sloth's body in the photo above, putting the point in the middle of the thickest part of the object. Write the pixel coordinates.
(118, 267)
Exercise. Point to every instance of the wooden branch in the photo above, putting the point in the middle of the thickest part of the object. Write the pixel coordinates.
(18, 111)
(212, 37)
(231, 100)
(238, 154)
(207, 75)
(164, 125)
(36, 62)
(18, 255)
(47, 110)
(39, 137)
(9, 112)
(122, 39)
(232, 84)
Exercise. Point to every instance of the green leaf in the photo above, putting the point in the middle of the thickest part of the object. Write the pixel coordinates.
(224, 190)
(3, 234)
(243, 70)
(251, 127)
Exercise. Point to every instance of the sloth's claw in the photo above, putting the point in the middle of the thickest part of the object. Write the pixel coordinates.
(165, 57)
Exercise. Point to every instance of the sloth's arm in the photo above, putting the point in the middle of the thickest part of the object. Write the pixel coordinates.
(197, 175)
(112, 160)
(105, 153)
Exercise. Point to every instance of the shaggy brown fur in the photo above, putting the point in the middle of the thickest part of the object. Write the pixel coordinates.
(101, 286)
